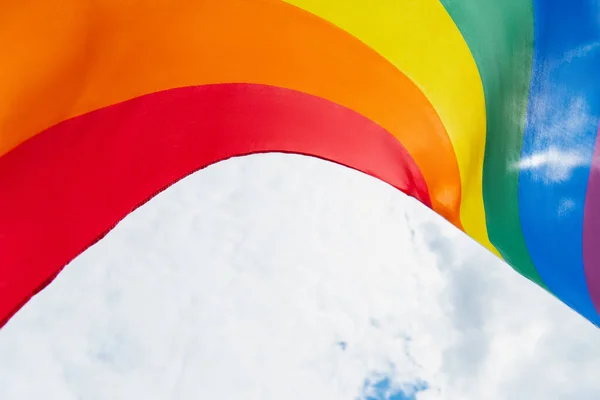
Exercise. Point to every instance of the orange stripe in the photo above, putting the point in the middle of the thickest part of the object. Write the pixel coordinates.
(68, 60)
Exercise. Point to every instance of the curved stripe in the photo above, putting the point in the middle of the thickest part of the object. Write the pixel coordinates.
(562, 123)
(91, 171)
(422, 41)
(591, 229)
(93, 54)
(500, 36)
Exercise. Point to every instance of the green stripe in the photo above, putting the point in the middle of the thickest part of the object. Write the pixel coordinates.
(500, 36)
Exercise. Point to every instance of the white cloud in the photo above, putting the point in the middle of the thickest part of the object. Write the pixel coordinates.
(553, 164)
(578, 52)
(560, 140)
(242, 280)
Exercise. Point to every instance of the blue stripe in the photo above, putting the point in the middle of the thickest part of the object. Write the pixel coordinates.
(562, 123)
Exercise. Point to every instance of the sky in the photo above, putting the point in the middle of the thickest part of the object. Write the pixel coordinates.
(286, 277)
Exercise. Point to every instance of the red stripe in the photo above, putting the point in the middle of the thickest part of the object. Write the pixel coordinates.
(65, 188)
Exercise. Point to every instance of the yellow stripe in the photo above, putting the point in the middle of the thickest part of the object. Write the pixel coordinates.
(421, 40)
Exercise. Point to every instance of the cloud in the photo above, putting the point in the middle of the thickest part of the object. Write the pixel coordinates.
(578, 52)
(552, 164)
(279, 276)
(560, 130)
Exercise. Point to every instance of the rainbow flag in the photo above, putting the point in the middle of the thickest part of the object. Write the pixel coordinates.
(486, 111)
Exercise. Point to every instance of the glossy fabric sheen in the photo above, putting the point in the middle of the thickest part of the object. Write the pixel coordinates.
(562, 126)
(484, 110)
(421, 40)
(591, 229)
(500, 36)
(96, 53)
(139, 147)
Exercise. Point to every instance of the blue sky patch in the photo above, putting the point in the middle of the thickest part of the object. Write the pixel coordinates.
(382, 390)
